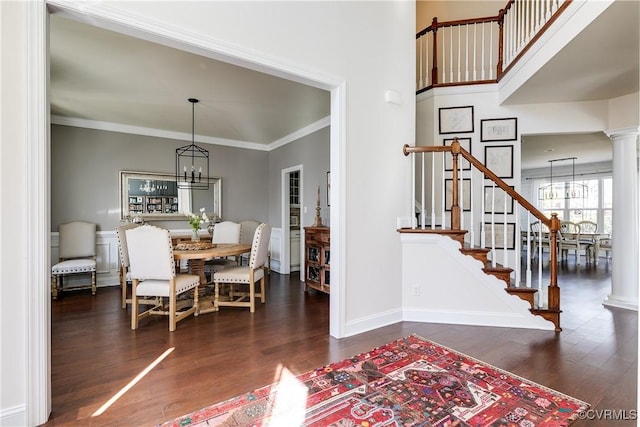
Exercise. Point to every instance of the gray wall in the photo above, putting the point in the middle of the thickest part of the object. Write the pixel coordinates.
(311, 151)
(85, 165)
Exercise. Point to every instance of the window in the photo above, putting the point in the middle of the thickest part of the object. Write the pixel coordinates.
(596, 206)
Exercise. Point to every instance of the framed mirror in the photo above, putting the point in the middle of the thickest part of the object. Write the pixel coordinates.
(156, 196)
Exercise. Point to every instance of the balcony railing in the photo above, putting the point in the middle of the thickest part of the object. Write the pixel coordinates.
(481, 50)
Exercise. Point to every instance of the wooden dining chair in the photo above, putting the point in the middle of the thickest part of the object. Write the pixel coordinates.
(76, 253)
(245, 276)
(153, 274)
(225, 232)
(539, 238)
(569, 239)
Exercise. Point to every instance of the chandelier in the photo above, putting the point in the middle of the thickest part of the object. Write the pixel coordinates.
(148, 187)
(563, 190)
(192, 162)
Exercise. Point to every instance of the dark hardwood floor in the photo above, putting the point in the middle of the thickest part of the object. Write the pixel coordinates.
(219, 355)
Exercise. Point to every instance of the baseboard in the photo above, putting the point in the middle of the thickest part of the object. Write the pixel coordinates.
(15, 416)
(501, 320)
(369, 323)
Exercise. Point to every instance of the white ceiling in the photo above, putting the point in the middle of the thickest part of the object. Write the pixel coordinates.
(103, 76)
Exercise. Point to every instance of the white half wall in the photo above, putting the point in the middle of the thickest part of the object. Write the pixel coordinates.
(452, 288)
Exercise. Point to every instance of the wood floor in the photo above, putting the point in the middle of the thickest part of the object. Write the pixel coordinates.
(219, 355)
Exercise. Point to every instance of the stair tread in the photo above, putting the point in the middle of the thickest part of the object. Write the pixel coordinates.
(521, 289)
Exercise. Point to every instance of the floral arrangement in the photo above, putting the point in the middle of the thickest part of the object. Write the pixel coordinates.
(195, 221)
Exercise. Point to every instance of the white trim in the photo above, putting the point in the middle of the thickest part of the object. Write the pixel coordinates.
(158, 133)
(300, 133)
(285, 258)
(338, 215)
(181, 136)
(370, 323)
(37, 171)
(14, 416)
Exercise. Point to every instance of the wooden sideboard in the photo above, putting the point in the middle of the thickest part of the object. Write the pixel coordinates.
(317, 251)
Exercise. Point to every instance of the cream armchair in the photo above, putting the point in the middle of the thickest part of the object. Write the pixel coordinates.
(247, 230)
(125, 274)
(246, 276)
(224, 232)
(153, 273)
(77, 254)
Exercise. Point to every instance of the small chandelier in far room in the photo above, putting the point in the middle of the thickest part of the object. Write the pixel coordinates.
(563, 190)
(192, 162)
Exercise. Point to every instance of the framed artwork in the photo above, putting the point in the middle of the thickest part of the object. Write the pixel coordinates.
(448, 158)
(464, 191)
(328, 188)
(455, 119)
(499, 129)
(499, 230)
(498, 200)
(499, 159)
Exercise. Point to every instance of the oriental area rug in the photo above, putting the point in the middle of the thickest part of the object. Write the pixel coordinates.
(408, 382)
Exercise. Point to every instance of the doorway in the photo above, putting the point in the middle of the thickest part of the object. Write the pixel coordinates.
(292, 196)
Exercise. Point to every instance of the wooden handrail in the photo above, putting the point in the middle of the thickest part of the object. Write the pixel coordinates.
(552, 223)
(499, 19)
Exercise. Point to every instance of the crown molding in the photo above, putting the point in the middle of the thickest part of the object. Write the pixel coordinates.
(300, 133)
(182, 136)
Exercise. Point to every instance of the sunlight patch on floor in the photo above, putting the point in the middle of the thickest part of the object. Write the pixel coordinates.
(133, 382)
(289, 397)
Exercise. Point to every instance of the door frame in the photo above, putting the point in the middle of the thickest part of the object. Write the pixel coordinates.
(285, 258)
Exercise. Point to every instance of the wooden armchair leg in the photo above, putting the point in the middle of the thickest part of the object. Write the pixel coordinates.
(54, 286)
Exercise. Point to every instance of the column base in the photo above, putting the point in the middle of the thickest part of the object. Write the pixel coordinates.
(612, 301)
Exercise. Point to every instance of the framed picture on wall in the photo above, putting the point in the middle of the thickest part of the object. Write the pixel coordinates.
(448, 157)
(499, 129)
(464, 191)
(494, 200)
(455, 119)
(499, 230)
(499, 160)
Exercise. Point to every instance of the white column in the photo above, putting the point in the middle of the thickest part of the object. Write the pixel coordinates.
(625, 277)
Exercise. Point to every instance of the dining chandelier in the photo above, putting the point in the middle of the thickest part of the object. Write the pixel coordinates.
(192, 162)
(563, 190)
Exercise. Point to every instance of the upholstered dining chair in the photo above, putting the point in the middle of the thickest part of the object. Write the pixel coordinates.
(225, 232)
(246, 275)
(125, 274)
(153, 274)
(247, 230)
(77, 254)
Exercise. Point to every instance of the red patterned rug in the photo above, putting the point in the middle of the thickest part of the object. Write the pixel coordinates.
(408, 382)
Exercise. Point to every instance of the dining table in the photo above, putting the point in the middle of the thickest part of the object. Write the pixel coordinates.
(196, 254)
(591, 238)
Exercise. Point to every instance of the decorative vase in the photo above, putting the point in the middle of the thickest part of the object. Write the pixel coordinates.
(195, 237)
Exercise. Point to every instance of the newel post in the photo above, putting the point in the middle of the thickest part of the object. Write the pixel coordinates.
(434, 69)
(455, 207)
(554, 290)
(500, 43)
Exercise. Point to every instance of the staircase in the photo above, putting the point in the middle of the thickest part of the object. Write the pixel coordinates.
(510, 276)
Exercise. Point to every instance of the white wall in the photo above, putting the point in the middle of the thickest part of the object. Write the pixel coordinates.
(13, 246)
(357, 49)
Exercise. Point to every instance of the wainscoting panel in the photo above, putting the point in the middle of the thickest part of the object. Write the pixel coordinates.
(276, 249)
